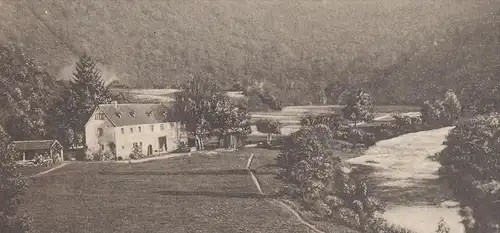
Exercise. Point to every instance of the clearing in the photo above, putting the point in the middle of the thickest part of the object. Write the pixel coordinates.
(406, 179)
(198, 193)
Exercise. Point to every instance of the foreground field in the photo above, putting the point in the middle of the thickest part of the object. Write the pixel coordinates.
(201, 193)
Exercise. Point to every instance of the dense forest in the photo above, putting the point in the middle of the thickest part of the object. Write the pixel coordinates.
(415, 49)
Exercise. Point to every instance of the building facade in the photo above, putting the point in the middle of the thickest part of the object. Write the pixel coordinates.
(116, 128)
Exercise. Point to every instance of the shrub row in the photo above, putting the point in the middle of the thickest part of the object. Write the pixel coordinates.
(41, 160)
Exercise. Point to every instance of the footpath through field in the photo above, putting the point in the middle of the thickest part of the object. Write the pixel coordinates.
(406, 178)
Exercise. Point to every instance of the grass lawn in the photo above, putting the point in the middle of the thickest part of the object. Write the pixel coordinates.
(198, 193)
(30, 171)
(207, 196)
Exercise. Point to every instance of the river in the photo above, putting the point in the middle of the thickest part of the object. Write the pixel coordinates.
(406, 179)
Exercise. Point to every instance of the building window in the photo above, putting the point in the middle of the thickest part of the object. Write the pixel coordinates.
(100, 132)
(102, 147)
(152, 128)
(131, 130)
(140, 144)
(161, 127)
(123, 131)
(140, 129)
(123, 147)
(99, 116)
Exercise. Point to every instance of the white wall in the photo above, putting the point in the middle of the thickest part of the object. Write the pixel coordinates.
(124, 142)
(92, 140)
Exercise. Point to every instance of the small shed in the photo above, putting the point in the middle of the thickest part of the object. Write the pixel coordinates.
(29, 149)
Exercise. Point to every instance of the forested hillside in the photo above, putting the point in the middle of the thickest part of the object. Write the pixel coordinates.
(400, 50)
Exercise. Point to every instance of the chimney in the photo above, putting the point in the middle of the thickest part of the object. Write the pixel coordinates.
(115, 103)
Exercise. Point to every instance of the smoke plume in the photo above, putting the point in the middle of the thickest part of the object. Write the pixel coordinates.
(108, 74)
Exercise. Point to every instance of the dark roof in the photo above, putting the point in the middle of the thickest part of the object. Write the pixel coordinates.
(134, 114)
(34, 145)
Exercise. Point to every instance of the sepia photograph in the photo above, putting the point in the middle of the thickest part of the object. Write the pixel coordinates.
(249, 116)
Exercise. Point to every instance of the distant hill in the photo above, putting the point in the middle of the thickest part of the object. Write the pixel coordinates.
(466, 59)
(292, 45)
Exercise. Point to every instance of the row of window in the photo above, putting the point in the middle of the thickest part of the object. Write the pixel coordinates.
(139, 129)
(100, 131)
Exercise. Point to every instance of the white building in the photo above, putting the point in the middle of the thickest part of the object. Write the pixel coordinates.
(115, 128)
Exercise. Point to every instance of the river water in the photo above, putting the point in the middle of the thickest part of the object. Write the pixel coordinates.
(406, 179)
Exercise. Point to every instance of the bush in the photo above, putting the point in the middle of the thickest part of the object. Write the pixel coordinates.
(332, 120)
(101, 156)
(357, 136)
(435, 114)
(341, 132)
(399, 126)
(43, 159)
(183, 147)
(88, 156)
(369, 139)
(472, 165)
(406, 124)
(136, 152)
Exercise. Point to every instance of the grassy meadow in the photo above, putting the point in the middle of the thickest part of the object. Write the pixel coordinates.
(199, 193)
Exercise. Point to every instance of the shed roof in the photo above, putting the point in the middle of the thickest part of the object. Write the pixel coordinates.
(34, 145)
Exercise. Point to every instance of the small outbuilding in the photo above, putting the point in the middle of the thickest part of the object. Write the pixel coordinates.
(28, 150)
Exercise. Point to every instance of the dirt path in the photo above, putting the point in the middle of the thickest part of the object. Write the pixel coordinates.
(406, 179)
(279, 202)
(50, 170)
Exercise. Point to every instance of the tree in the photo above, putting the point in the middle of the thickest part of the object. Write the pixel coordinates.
(230, 122)
(262, 99)
(271, 101)
(471, 163)
(434, 113)
(318, 90)
(268, 127)
(27, 93)
(486, 101)
(193, 106)
(82, 95)
(12, 188)
(359, 107)
(320, 179)
(452, 105)
(307, 161)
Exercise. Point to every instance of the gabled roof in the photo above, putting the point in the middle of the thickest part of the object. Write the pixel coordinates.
(133, 114)
(34, 145)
